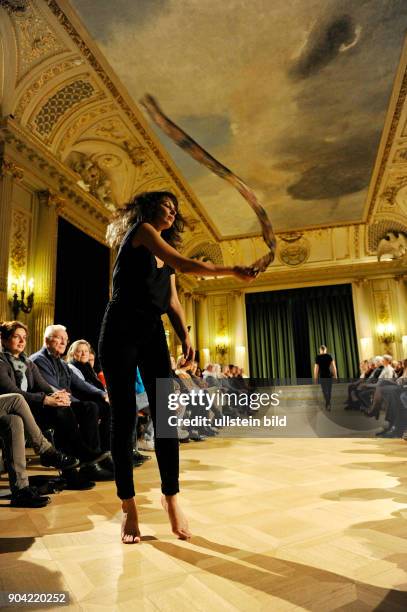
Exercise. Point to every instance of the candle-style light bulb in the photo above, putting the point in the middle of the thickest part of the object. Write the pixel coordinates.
(31, 285)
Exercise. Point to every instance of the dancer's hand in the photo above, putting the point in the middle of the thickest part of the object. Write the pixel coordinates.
(244, 273)
(187, 349)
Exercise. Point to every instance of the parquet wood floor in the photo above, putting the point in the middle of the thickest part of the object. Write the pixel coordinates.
(282, 524)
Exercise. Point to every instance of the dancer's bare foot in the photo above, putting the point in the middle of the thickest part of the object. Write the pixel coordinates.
(130, 529)
(179, 523)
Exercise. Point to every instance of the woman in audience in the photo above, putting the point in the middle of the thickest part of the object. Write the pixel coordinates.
(79, 360)
(147, 230)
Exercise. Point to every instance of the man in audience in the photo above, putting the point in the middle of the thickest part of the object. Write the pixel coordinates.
(83, 396)
(17, 421)
(51, 408)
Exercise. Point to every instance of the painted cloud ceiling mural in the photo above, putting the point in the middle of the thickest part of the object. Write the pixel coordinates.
(292, 96)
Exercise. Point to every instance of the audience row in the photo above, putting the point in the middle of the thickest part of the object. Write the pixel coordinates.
(382, 386)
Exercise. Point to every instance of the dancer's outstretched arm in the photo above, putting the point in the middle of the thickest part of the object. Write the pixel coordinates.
(148, 236)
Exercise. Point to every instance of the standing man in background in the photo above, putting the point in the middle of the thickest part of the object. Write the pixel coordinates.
(325, 371)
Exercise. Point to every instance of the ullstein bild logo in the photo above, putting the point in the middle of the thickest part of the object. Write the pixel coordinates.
(252, 401)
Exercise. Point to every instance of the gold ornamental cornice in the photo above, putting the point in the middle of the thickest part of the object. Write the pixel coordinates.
(8, 167)
(391, 135)
(301, 277)
(34, 153)
(51, 199)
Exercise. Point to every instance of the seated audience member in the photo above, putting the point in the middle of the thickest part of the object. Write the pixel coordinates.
(192, 371)
(366, 367)
(51, 408)
(389, 397)
(144, 438)
(388, 371)
(85, 399)
(17, 421)
(365, 392)
(79, 360)
(398, 368)
(209, 376)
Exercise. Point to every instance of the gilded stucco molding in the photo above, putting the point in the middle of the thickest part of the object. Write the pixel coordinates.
(14, 7)
(8, 167)
(51, 199)
(57, 173)
(401, 101)
(111, 87)
(20, 225)
(45, 77)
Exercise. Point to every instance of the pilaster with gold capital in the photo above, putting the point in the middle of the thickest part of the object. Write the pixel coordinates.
(240, 331)
(49, 205)
(7, 179)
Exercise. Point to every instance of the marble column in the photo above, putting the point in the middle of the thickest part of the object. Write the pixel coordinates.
(8, 174)
(45, 265)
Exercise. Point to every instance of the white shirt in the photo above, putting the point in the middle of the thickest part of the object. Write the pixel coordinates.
(387, 372)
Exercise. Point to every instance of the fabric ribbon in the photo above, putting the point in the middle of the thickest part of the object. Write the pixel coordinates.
(191, 147)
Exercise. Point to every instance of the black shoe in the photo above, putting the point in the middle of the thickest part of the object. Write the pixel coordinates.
(94, 457)
(139, 456)
(137, 462)
(53, 458)
(389, 433)
(96, 472)
(196, 437)
(207, 431)
(28, 497)
(107, 464)
(75, 481)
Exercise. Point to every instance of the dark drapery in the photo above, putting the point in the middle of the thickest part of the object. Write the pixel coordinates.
(286, 328)
(82, 286)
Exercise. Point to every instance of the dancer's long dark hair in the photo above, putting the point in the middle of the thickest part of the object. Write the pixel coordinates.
(144, 207)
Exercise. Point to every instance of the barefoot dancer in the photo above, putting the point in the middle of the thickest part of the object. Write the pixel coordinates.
(132, 335)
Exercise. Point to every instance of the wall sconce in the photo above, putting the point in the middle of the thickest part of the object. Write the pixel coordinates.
(222, 344)
(386, 333)
(19, 301)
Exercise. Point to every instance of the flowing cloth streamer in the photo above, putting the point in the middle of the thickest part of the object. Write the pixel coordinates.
(203, 157)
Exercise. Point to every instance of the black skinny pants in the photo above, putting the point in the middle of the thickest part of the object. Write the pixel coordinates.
(326, 386)
(121, 349)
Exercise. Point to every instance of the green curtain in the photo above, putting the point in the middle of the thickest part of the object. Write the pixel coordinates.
(331, 322)
(319, 315)
(270, 333)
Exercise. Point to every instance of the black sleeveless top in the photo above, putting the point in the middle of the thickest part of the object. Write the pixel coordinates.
(137, 281)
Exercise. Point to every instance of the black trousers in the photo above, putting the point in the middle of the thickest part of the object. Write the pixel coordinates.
(76, 427)
(326, 386)
(123, 346)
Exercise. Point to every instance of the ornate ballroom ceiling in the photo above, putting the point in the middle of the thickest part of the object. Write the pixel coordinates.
(291, 95)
